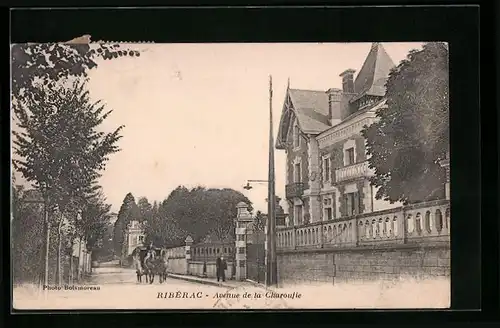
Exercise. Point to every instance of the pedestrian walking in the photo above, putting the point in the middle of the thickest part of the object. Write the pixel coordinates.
(221, 266)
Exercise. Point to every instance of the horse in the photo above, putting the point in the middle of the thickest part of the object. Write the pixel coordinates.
(162, 265)
(149, 266)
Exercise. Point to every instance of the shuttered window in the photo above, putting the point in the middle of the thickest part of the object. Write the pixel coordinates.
(352, 203)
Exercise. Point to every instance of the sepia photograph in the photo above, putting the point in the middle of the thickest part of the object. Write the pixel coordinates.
(230, 175)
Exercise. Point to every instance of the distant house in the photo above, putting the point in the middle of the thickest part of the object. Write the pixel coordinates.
(134, 237)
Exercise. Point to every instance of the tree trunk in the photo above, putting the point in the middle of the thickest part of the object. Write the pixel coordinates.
(79, 258)
(58, 275)
(59, 251)
(70, 276)
(47, 247)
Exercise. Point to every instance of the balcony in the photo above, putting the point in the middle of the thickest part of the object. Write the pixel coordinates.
(354, 171)
(294, 190)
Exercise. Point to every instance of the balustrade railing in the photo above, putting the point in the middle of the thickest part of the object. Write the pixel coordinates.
(353, 171)
(419, 223)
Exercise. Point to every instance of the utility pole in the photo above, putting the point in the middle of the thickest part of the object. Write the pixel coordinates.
(271, 262)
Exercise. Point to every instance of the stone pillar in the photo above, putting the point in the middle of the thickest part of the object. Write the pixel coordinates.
(189, 242)
(241, 223)
(314, 180)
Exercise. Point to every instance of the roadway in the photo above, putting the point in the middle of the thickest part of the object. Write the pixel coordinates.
(111, 287)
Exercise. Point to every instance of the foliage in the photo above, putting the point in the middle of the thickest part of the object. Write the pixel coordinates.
(60, 147)
(259, 222)
(27, 238)
(145, 209)
(162, 229)
(412, 133)
(51, 62)
(95, 221)
(129, 211)
(197, 212)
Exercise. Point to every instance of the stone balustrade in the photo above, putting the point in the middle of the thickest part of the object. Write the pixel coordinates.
(353, 171)
(420, 223)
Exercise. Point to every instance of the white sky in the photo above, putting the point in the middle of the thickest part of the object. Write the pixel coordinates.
(198, 114)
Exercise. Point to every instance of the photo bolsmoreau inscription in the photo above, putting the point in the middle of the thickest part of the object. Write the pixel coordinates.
(230, 176)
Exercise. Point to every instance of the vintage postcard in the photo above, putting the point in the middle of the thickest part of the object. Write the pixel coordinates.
(230, 176)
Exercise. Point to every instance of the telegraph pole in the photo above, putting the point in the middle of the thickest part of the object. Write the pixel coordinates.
(271, 263)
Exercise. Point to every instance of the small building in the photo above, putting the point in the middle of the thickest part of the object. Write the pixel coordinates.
(134, 237)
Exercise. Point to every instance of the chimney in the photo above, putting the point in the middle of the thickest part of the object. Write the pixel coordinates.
(348, 80)
(334, 109)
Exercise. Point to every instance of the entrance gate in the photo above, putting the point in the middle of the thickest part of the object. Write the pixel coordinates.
(256, 266)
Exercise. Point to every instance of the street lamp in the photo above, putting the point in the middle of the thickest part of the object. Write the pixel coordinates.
(248, 186)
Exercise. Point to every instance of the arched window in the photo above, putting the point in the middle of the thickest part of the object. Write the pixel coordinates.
(387, 227)
(376, 227)
(361, 230)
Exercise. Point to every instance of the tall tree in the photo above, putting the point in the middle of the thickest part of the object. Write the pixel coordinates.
(145, 209)
(60, 147)
(95, 221)
(411, 135)
(197, 212)
(129, 211)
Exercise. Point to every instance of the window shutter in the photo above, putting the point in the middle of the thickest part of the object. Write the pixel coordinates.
(334, 206)
(343, 206)
(360, 203)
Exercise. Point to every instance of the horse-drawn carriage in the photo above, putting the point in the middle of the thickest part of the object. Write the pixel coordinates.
(150, 262)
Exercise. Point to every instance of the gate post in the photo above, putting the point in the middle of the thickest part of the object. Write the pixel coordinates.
(189, 242)
(243, 218)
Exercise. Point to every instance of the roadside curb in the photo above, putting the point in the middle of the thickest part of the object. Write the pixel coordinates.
(204, 282)
(255, 283)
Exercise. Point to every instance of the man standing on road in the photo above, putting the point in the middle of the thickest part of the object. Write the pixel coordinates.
(221, 267)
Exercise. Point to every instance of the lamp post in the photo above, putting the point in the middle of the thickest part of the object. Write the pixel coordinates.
(271, 262)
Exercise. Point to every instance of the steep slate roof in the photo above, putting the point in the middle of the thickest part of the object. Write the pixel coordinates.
(311, 108)
(374, 72)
